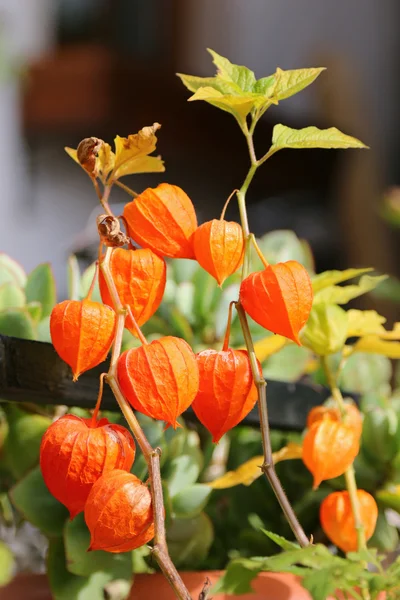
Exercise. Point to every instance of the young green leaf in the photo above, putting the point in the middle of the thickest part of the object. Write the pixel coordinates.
(191, 500)
(289, 83)
(74, 278)
(11, 296)
(280, 541)
(326, 329)
(17, 322)
(6, 564)
(12, 271)
(328, 278)
(336, 294)
(242, 76)
(41, 287)
(311, 137)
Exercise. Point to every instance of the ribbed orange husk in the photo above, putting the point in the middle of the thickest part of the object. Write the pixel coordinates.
(160, 379)
(219, 247)
(337, 518)
(226, 392)
(82, 333)
(74, 454)
(119, 513)
(279, 298)
(352, 418)
(164, 220)
(329, 448)
(139, 276)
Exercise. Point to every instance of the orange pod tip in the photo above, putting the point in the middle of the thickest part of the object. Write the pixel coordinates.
(160, 379)
(164, 220)
(82, 332)
(329, 448)
(139, 277)
(119, 513)
(219, 247)
(352, 417)
(75, 452)
(226, 391)
(337, 519)
(279, 298)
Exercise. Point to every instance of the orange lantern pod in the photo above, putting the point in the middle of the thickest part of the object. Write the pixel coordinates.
(139, 277)
(75, 452)
(164, 220)
(160, 379)
(329, 448)
(219, 247)
(337, 519)
(82, 333)
(119, 513)
(352, 418)
(279, 298)
(226, 391)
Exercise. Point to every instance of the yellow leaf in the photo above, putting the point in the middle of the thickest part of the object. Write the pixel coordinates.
(105, 160)
(72, 153)
(268, 346)
(328, 278)
(130, 151)
(342, 294)
(312, 137)
(377, 345)
(251, 469)
(364, 322)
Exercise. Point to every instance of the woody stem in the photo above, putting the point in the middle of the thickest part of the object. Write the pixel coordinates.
(151, 455)
(268, 465)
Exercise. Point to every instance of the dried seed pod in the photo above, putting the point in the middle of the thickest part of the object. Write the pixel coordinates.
(279, 298)
(82, 333)
(119, 513)
(329, 448)
(218, 248)
(140, 277)
(352, 418)
(337, 519)
(75, 452)
(160, 379)
(164, 220)
(226, 391)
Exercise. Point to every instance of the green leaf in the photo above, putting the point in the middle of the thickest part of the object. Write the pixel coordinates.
(81, 562)
(43, 330)
(389, 290)
(22, 445)
(336, 294)
(87, 278)
(242, 76)
(182, 270)
(35, 311)
(74, 278)
(17, 322)
(11, 271)
(289, 83)
(191, 500)
(33, 500)
(189, 540)
(237, 578)
(66, 586)
(41, 287)
(320, 583)
(288, 364)
(364, 372)
(381, 435)
(280, 246)
(238, 106)
(181, 472)
(280, 541)
(390, 498)
(364, 322)
(11, 296)
(328, 278)
(385, 537)
(6, 564)
(311, 137)
(326, 329)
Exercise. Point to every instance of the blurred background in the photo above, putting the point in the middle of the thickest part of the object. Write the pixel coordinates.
(70, 69)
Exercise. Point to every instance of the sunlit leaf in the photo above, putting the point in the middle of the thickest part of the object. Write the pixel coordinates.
(336, 294)
(105, 160)
(311, 137)
(326, 329)
(362, 322)
(236, 105)
(293, 81)
(327, 278)
(131, 151)
(268, 346)
(72, 153)
(11, 271)
(377, 345)
(251, 469)
(242, 76)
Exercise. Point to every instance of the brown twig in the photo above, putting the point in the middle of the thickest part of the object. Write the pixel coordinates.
(205, 590)
(152, 456)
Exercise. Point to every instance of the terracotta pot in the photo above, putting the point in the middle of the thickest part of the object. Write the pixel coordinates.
(277, 586)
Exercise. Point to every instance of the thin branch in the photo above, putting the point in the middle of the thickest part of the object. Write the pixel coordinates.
(126, 189)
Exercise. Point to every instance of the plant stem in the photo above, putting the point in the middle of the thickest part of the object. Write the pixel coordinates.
(103, 197)
(268, 465)
(152, 456)
(127, 189)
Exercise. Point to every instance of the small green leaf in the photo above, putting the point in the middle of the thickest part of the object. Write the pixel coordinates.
(17, 322)
(289, 83)
(280, 541)
(242, 76)
(41, 287)
(35, 311)
(326, 329)
(34, 501)
(6, 564)
(11, 296)
(328, 278)
(43, 330)
(321, 584)
(191, 500)
(11, 271)
(181, 472)
(74, 278)
(364, 372)
(238, 106)
(81, 562)
(311, 137)
(386, 536)
(22, 445)
(189, 540)
(237, 579)
(66, 586)
(390, 498)
(381, 435)
(336, 294)
(288, 364)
